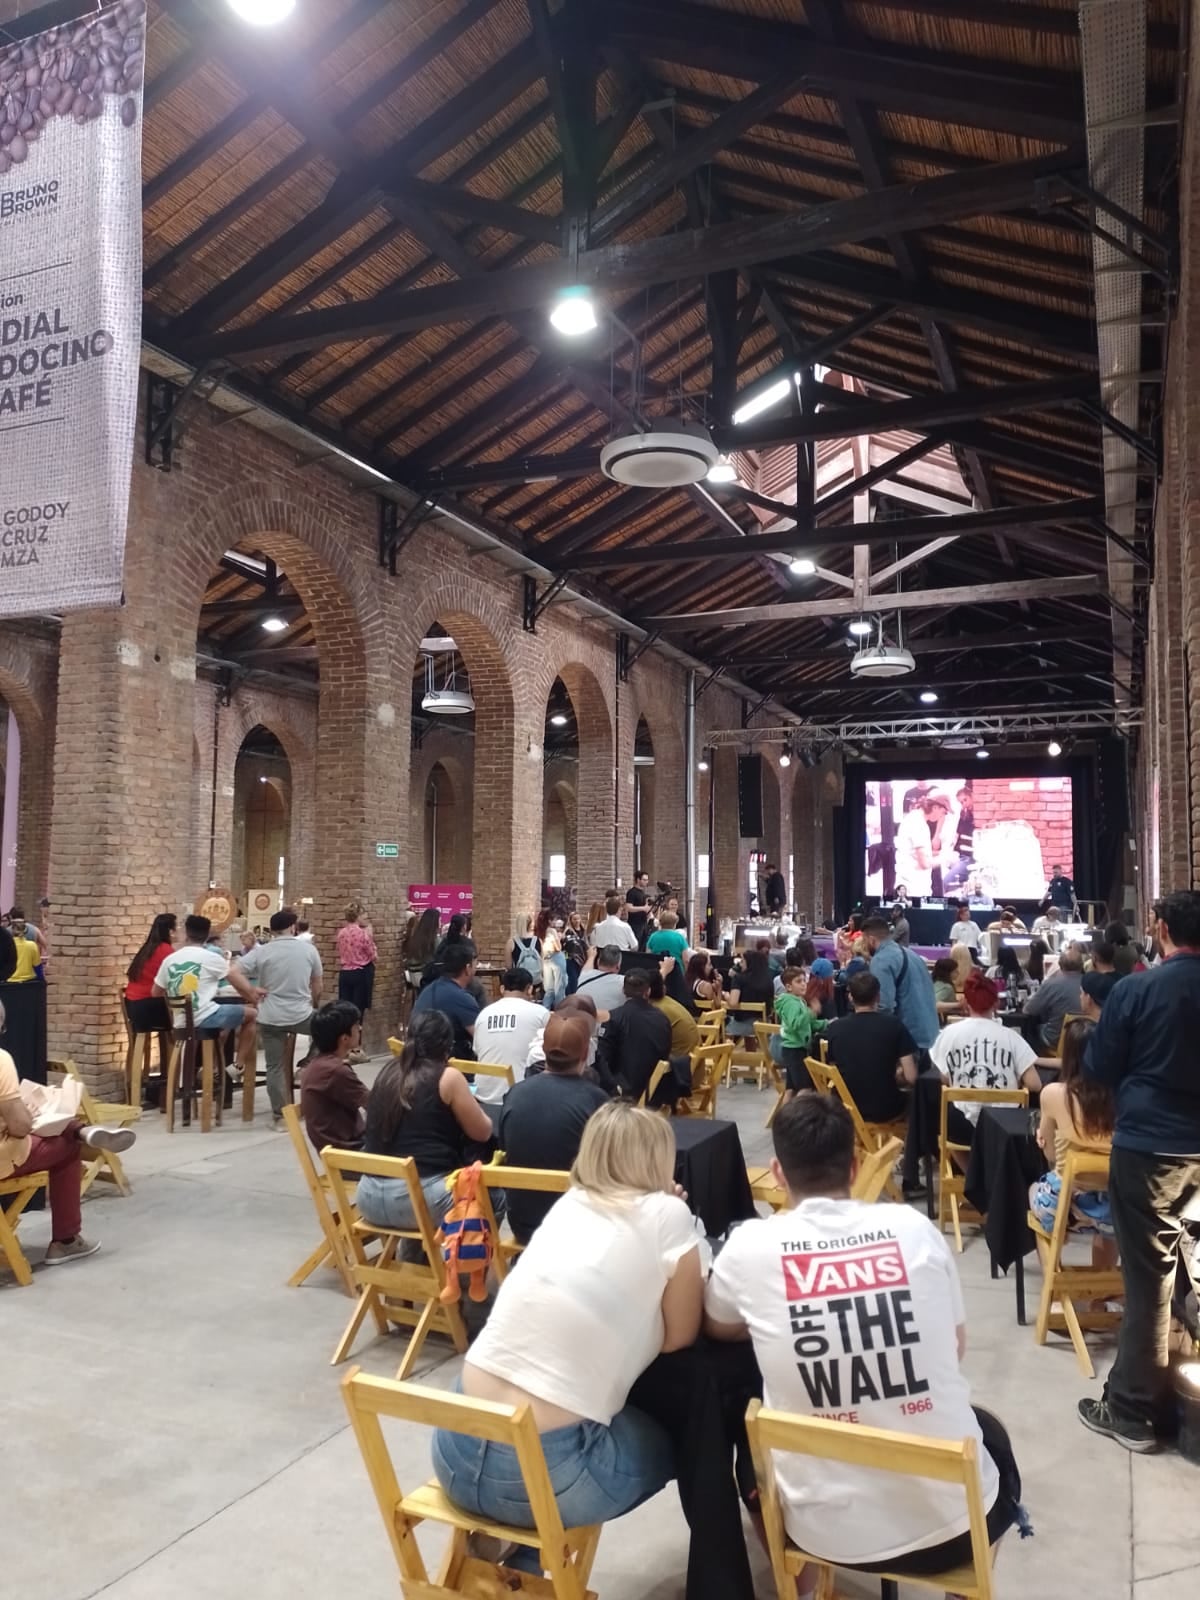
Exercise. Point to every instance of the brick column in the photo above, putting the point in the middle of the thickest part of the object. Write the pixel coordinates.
(732, 852)
(659, 697)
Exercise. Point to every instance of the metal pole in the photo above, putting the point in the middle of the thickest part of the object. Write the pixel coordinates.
(689, 791)
(12, 801)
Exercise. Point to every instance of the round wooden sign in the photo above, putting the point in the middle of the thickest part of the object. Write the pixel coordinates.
(262, 902)
(219, 906)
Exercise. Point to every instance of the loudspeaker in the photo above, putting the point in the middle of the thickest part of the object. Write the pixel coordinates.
(750, 797)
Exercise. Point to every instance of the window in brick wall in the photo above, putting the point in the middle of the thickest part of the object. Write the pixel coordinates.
(702, 872)
(557, 878)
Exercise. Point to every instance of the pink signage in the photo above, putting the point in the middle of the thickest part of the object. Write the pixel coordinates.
(445, 898)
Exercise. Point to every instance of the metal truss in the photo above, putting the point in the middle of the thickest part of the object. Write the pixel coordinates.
(1033, 725)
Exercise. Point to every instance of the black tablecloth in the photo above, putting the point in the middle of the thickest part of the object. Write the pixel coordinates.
(24, 1035)
(710, 1165)
(924, 1114)
(1004, 1161)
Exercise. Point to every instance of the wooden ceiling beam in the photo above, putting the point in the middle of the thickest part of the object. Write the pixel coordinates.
(682, 255)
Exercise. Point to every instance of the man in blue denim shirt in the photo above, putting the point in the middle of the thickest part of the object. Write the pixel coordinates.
(905, 986)
(1144, 1048)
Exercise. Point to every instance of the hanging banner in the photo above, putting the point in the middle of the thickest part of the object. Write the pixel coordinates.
(70, 307)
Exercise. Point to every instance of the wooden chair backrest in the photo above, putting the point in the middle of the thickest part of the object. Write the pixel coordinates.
(395, 1045)
(368, 1399)
(182, 1020)
(903, 1454)
(828, 1079)
(710, 1063)
(312, 1176)
(989, 1097)
(1071, 1016)
(484, 1069)
(656, 1077)
(712, 1026)
(344, 1167)
(1079, 1165)
(874, 1170)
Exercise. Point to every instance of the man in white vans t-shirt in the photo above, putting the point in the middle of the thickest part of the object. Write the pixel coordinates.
(856, 1315)
(503, 1033)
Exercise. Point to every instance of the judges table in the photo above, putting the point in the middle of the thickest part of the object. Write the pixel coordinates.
(710, 1166)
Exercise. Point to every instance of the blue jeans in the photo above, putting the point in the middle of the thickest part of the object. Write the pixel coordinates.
(596, 1472)
(385, 1201)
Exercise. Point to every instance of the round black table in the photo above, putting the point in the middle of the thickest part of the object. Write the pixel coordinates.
(710, 1166)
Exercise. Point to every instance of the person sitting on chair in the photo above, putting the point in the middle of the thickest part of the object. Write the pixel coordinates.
(199, 970)
(636, 1038)
(981, 1053)
(332, 1095)
(831, 1342)
(23, 1152)
(873, 1051)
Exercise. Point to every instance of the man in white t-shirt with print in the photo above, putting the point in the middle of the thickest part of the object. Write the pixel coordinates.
(856, 1315)
(503, 1033)
(981, 1053)
(198, 969)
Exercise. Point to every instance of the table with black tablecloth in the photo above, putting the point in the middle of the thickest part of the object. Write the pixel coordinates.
(1004, 1161)
(24, 1035)
(710, 1165)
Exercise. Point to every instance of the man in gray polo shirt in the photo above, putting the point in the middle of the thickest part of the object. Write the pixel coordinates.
(1056, 997)
(603, 985)
(289, 970)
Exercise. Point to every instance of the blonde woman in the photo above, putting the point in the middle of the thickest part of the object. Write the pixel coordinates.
(964, 965)
(609, 1280)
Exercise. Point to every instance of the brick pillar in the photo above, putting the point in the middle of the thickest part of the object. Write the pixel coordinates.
(623, 798)
(732, 852)
(604, 795)
(660, 697)
(806, 835)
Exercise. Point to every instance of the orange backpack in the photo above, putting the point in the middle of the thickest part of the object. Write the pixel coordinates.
(466, 1237)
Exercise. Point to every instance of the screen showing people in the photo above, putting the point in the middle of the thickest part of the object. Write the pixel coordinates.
(997, 838)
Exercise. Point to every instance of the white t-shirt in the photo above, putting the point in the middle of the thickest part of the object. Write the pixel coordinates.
(503, 1033)
(611, 930)
(981, 1053)
(912, 835)
(197, 970)
(580, 1317)
(853, 1310)
(967, 933)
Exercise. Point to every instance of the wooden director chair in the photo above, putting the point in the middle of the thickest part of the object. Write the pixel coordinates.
(333, 1250)
(496, 1175)
(103, 1164)
(484, 1069)
(743, 1060)
(661, 1070)
(1068, 1284)
(951, 1179)
(872, 1177)
(764, 1032)
(712, 1025)
(710, 1063)
(392, 1290)
(903, 1454)
(828, 1079)
(15, 1195)
(567, 1554)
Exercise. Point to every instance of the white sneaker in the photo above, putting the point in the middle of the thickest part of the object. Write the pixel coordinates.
(101, 1138)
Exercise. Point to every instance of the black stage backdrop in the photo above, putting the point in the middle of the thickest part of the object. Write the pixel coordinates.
(1099, 813)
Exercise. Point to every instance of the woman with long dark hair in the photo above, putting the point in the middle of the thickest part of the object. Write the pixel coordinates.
(703, 982)
(423, 1108)
(1035, 966)
(147, 1015)
(1077, 1113)
(754, 985)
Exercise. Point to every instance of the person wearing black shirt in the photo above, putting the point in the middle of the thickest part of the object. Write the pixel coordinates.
(1060, 891)
(544, 1116)
(638, 900)
(870, 1047)
(775, 890)
(636, 1038)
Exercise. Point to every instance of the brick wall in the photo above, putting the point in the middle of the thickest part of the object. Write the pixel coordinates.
(1043, 803)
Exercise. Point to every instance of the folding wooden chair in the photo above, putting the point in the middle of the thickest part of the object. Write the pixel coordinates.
(15, 1195)
(903, 1454)
(1071, 1016)
(874, 1173)
(542, 1180)
(763, 1187)
(951, 1179)
(743, 1060)
(484, 1069)
(1068, 1284)
(391, 1290)
(764, 1032)
(712, 1025)
(869, 1135)
(661, 1070)
(334, 1250)
(103, 1164)
(566, 1555)
(709, 1065)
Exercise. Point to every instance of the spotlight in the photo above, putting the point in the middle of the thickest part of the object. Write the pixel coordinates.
(1054, 748)
(574, 314)
(262, 13)
(722, 471)
(981, 755)
(558, 720)
(929, 697)
(785, 759)
(274, 624)
(802, 567)
(702, 766)
(860, 627)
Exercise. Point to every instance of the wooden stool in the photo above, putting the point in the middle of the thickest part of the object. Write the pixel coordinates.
(188, 1043)
(139, 1055)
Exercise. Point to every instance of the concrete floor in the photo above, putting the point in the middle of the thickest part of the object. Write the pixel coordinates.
(172, 1425)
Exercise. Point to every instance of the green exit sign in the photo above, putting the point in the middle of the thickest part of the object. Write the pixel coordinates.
(387, 852)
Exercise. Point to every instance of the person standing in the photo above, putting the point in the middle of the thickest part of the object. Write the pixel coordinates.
(289, 970)
(1144, 1049)
(637, 898)
(357, 956)
(667, 940)
(905, 987)
(449, 995)
(901, 931)
(1060, 891)
(611, 929)
(965, 930)
(775, 890)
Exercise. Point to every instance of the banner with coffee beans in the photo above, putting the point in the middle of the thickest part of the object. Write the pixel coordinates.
(70, 306)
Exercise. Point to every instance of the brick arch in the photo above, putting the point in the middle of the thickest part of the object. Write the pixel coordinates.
(664, 852)
(560, 781)
(455, 819)
(472, 615)
(597, 777)
(24, 697)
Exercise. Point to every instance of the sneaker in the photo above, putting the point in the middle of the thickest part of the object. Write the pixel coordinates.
(1099, 1416)
(115, 1139)
(357, 1058)
(70, 1250)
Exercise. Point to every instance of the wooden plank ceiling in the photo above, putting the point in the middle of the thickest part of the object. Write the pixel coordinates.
(362, 216)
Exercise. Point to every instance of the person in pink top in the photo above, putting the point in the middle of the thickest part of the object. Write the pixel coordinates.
(356, 955)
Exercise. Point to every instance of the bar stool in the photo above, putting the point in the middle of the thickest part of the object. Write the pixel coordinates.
(188, 1041)
(250, 1076)
(139, 1054)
